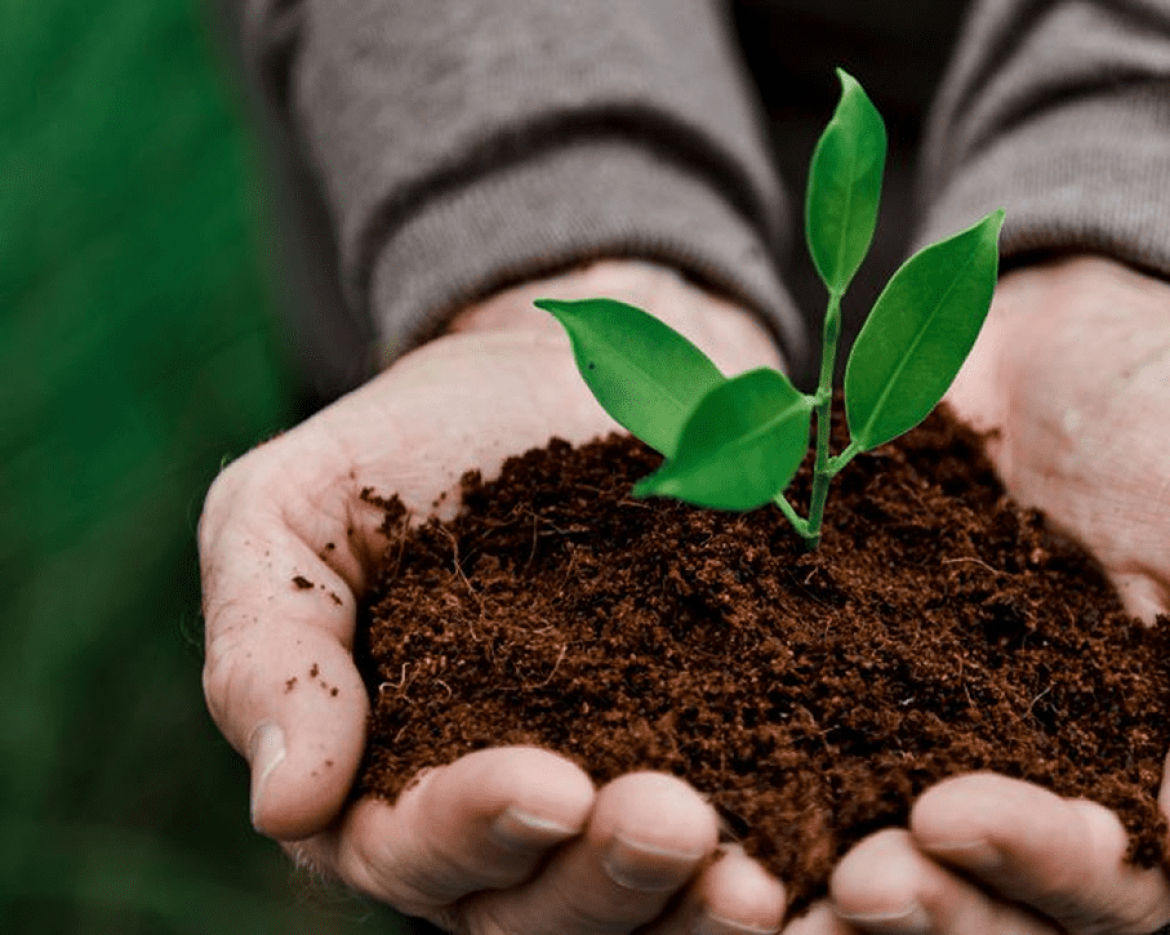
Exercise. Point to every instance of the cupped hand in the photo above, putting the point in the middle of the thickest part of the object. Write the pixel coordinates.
(503, 840)
(989, 855)
(1072, 378)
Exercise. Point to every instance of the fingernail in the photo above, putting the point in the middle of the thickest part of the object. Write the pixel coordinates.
(708, 923)
(518, 830)
(265, 753)
(646, 868)
(911, 920)
(979, 854)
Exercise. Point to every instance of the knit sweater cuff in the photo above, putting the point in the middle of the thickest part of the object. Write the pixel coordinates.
(552, 212)
(1091, 175)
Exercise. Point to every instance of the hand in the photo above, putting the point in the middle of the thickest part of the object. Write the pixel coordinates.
(1072, 374)
(503, 840)
(989, 855)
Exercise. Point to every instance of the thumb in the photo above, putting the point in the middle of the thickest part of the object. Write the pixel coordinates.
(278, 674)
(289, 699)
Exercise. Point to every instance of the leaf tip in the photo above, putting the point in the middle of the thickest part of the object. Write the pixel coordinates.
(846, 79)
(992, 222)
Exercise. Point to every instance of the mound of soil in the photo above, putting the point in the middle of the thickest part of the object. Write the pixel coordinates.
(939, 629)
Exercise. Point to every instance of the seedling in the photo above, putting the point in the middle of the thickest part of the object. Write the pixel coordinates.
(736, 443)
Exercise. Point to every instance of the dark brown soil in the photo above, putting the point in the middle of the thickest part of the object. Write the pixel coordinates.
(939, 629)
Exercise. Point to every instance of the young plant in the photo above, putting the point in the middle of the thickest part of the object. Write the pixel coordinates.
(735, 444)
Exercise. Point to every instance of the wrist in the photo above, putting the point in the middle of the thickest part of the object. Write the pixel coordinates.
(733, 336)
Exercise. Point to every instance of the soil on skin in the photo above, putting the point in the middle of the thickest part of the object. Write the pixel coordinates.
(939, 629)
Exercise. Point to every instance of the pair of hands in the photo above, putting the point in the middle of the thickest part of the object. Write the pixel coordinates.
(1073, 370)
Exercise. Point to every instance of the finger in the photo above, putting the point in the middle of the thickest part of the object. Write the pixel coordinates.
(818, 920)
(886, 885)
(1164, 791)
(285, 693)
(1064, 857)
(733, 895)
(1142, 594)
(648, 836)
(485, 821)
(278, 674)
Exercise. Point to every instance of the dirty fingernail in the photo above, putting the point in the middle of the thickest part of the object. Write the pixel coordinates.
(517, 830)
(910, 920)
(646, 868)
(265, 753)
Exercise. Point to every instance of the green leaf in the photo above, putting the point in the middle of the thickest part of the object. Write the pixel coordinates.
(920, 331)
(741, 446)
(645, 374)
(845, 186)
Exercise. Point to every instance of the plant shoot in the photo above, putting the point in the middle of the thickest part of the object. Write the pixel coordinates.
(736, 443)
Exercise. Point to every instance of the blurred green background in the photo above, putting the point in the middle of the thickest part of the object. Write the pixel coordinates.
(139, 351)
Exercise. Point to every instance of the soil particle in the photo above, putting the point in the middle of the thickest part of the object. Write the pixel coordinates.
(302, 582)
(939, 629)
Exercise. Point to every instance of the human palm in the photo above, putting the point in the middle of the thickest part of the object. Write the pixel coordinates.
(1070, 375)
(508, 839)
(1074, 382)
(1071, 378)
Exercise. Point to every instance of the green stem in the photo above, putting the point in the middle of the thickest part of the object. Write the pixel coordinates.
(823, 409)
(837, 464)
(797, 522)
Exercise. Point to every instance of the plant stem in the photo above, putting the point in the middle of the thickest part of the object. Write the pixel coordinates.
(790, 514)
(825, 468)
(822, 470)
(837, 464)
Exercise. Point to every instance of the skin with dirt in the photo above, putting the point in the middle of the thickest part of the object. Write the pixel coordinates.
(812, 696)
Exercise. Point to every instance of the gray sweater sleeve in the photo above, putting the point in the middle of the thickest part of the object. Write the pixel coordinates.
(1058, 111)
(465, 146)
